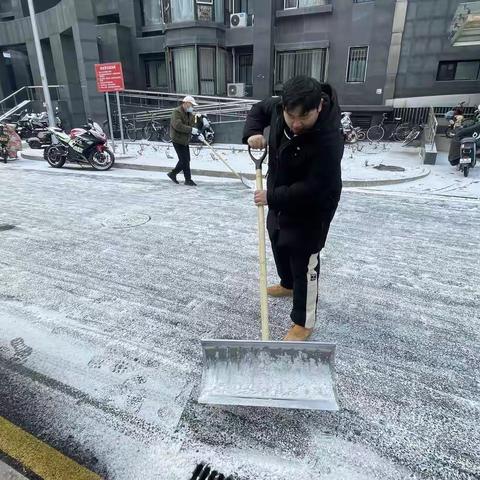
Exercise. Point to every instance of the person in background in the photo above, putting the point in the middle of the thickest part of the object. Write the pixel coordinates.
(181, 130)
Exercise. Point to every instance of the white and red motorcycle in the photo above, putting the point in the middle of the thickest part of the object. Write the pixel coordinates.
(86, 145)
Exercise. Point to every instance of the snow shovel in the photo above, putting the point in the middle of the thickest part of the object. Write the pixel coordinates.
(268, 373)
(246, 182)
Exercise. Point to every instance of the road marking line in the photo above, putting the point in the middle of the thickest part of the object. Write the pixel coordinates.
(38, 457)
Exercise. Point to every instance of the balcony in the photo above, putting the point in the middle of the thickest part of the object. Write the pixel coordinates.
(465, 27)
(294, 8)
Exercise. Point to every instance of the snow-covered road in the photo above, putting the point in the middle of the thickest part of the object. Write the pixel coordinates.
(100, 326)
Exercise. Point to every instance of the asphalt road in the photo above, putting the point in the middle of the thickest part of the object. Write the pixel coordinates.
(107, 284)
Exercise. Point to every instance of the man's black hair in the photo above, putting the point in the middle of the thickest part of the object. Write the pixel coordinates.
(301, 91)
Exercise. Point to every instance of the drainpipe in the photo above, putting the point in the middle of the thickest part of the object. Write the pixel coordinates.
(233, 65)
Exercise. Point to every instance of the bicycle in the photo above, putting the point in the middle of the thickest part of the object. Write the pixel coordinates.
(129, 129)
(400, 131)
(155, 128)
(415, 134)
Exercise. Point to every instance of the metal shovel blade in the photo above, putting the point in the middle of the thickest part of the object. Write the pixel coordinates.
(269, 374)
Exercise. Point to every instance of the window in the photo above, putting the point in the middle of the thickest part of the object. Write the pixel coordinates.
(287, 4)
(238, 6)
(245, 62)
(357, 64)
(458, 70)
(182, 10)
(156, 74)
(185, 70)
(362, 1)
(105, 19)
(301, 62)
(205, 10)
(151, 12)
(206, 64)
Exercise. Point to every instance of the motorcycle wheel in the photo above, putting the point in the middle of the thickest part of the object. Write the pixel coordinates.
(210, 137)
(450, 133)
(351, 137)
(101, 160)
(55, 155)
(465, 171)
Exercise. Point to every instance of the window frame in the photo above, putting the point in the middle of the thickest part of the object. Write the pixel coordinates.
(326, 50)
(289, 8)
(456, 62)
(348, 64)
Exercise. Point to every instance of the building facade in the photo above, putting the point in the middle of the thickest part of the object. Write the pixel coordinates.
(375, 52)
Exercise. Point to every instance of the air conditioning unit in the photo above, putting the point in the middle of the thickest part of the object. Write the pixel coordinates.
(238, 20)
(236, 89)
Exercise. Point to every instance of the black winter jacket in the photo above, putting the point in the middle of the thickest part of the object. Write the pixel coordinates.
(304, 180)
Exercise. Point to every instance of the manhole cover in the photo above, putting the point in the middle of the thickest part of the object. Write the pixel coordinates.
(126, 220)
(389, 168)
(6, 226)
(205, 472)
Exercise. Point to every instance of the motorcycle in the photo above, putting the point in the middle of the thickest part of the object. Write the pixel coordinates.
(4, 139)
(30, 124)
(350, 133)
(468, 154)
(42, 139)
(202, 123)
(87, 145)
(465, 146)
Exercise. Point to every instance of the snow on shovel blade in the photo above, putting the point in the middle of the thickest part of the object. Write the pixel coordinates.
(269, 374)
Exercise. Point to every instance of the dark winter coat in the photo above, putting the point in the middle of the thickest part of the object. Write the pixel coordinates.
(181, 123)
(304, 180)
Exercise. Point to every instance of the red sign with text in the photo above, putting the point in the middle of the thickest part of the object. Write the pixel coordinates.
(109, 77)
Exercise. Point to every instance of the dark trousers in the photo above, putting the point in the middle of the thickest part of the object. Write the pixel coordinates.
(183, 153)
(299, 270)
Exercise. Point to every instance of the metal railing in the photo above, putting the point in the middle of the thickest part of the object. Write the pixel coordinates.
(430, 129)
(158, 106)
(31, 93)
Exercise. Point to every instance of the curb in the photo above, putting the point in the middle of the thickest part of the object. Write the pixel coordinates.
(251, 176)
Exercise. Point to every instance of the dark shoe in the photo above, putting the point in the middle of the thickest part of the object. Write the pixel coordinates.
(190, 183)
(172, 177)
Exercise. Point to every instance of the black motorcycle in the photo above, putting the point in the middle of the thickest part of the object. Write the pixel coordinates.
(30, 125)
(86, 145)
(465, 148)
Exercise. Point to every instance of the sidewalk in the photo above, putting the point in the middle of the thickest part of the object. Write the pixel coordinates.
(374, 165)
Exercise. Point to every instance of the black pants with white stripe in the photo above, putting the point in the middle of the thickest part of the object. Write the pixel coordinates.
(299, 270)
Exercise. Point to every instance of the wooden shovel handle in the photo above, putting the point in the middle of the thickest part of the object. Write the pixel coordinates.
(263, 261)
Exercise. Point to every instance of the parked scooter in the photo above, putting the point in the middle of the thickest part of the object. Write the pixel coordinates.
(351, 133)
(86, 145)
(465, 147)
(202, 123)
(468, 154)
(42, 139)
